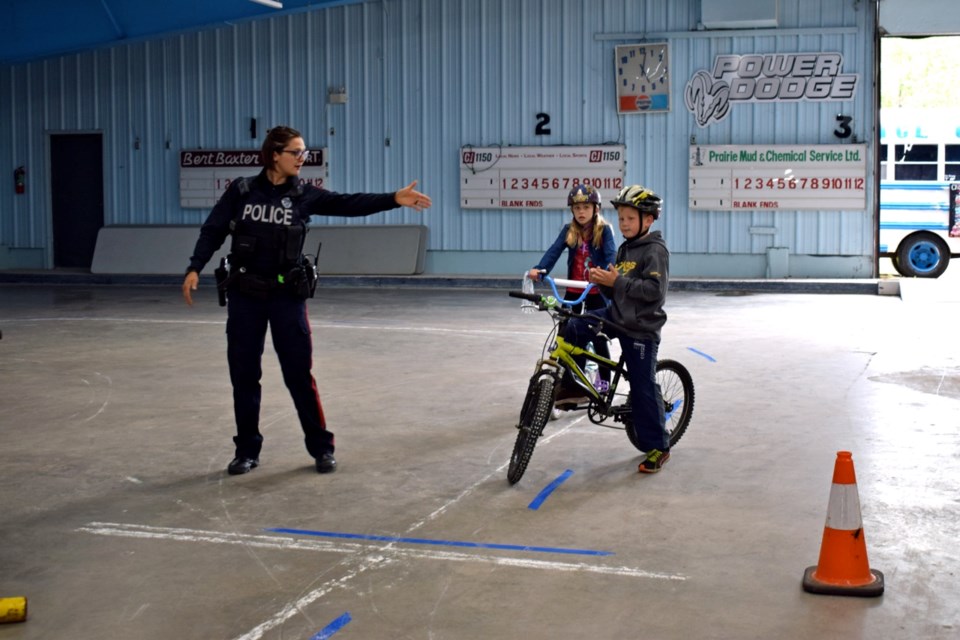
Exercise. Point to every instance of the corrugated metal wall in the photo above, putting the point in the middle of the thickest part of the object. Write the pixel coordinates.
(425, 77)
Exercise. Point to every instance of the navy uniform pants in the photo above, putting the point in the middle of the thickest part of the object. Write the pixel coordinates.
(247, 321)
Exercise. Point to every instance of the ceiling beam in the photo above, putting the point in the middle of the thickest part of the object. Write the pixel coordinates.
(113, 21)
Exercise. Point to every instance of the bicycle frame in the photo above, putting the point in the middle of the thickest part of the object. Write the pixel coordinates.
(562, 356)
(564, 353)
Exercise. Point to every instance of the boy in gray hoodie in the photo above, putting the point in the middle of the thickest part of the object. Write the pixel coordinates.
(637, 287)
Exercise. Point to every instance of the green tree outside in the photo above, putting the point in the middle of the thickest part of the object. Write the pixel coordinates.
(920, 72)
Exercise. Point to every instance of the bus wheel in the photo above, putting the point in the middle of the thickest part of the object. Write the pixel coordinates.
(923, 255)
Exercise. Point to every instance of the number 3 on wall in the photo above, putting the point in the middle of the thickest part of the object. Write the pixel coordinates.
(844, 130)
(542, 129)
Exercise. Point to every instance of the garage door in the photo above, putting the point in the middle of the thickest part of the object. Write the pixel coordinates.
(919, 17)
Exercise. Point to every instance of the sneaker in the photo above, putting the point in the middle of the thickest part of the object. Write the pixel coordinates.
(241, 465)
(654, 461)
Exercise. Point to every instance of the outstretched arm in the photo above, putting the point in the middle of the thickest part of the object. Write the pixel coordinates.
(410, 197)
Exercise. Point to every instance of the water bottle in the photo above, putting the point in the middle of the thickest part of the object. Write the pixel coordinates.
(526, 284)
(593, 375)
(592, 372)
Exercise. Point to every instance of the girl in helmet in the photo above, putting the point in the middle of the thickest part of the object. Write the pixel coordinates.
(637, 287)
(588, 239)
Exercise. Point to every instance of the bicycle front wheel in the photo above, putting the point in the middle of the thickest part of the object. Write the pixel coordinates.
(676, 388)
(533, 417)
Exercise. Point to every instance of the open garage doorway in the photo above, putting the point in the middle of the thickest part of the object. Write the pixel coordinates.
(919, 228)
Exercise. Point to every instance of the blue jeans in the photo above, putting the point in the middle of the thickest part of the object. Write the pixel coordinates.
(640, 356)
(247, 320)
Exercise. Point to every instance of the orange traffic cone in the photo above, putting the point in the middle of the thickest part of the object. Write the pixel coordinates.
(843, 569)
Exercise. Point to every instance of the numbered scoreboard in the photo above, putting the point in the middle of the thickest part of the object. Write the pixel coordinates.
(536, 177)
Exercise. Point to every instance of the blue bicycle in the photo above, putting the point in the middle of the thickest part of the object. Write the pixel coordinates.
(603, 401)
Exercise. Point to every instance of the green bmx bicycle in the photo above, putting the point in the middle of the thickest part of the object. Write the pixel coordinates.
(603, 400)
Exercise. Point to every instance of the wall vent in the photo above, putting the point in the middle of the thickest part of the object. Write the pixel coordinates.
(738, 14)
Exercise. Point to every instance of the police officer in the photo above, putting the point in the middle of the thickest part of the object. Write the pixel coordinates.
(269, 281)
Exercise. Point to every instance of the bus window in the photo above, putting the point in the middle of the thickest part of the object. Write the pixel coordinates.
(916, 162)
(883, 162)
(951, 169)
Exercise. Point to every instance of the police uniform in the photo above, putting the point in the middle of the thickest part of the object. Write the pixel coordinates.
(268, 283)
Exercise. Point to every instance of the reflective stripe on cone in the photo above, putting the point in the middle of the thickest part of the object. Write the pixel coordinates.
(843, 568)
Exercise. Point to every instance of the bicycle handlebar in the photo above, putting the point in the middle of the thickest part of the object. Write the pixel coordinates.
(577, 284)
(563, 282)
(532, 297)
(556, 305)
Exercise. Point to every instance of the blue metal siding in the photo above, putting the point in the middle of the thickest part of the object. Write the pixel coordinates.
(425, 77)
(815, 233)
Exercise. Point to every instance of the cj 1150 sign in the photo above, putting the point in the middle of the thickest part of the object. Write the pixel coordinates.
(535, 177)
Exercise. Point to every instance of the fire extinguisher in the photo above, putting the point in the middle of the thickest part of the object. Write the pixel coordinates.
(20, 179)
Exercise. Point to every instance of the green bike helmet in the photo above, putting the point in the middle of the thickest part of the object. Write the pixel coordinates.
(640, 198)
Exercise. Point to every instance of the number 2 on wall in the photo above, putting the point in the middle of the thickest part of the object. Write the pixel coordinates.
(542, 129)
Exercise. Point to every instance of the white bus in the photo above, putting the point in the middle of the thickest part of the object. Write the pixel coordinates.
(920, 189)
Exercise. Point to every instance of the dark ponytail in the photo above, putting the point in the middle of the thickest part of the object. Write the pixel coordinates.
(275, 142)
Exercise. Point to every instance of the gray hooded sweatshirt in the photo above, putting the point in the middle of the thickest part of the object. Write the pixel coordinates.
(638, 294)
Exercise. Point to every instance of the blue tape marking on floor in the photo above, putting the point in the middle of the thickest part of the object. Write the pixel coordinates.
(447, 543)
(673, 408)
(332, 628)
(701, 353)
(543, 495)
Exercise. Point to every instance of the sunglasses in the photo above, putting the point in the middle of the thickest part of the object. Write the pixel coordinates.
(301, 154)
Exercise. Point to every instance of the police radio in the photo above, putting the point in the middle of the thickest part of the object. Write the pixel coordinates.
(309, 273)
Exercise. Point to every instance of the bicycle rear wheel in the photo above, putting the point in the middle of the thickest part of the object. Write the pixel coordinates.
(676, 387)
(533, 417)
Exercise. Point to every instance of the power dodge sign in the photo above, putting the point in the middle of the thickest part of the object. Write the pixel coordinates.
(775, 77)
(206, 174)
(536, 177)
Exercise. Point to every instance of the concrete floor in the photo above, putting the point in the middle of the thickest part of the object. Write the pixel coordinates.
(119, 520)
